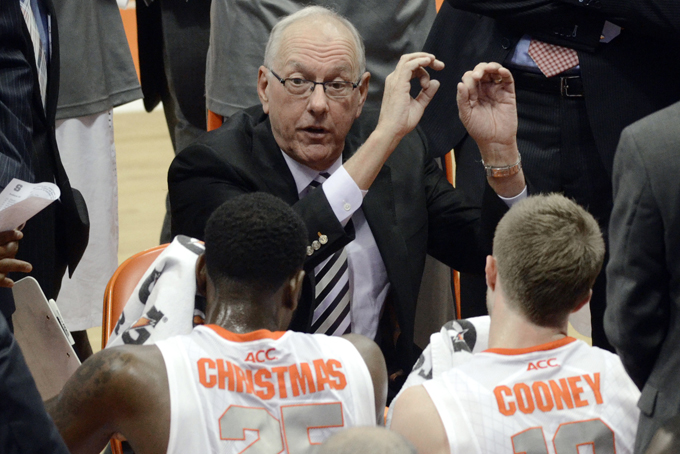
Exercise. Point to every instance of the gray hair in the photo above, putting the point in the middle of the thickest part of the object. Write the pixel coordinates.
(274, 42)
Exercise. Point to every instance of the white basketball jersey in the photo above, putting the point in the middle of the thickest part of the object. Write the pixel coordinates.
(262, 392)
(563, 397)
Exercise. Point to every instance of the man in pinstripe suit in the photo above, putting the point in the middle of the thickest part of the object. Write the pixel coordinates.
(24, 424)
(56, 237)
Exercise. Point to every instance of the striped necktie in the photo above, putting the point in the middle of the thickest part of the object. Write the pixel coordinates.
(331, 294)
(38, 49)
(552, 59)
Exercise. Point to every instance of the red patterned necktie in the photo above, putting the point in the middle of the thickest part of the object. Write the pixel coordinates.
(551, 59)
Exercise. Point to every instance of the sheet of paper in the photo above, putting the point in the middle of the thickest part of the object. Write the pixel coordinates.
(20, 201)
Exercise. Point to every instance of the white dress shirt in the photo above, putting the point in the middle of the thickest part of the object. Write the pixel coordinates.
(368, 282)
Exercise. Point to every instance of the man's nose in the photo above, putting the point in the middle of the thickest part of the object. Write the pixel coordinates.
(317, 101)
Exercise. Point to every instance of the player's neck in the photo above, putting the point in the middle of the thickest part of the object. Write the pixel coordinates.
(241, 311)
(510, 329)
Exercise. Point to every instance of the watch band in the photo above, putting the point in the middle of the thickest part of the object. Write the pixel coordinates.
(504, 171)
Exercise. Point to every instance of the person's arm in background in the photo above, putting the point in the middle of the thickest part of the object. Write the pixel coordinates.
(638, 282)
(579, 23)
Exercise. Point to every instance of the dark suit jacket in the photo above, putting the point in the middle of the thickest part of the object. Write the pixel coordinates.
(411, 208)
(181, 29)
(25, 427)
(624, 80)
(57, 236)
(642, 319)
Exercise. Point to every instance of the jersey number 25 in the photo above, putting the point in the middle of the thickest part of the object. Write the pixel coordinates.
(296, 421)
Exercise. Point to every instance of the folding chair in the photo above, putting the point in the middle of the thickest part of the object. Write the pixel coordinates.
(118, 291)
(121, 286)
(214, 120)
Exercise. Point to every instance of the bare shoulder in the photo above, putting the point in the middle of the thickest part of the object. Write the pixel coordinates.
(117, 367)
(110, 393)
(375, 362)
(416, 418)
(366, 347)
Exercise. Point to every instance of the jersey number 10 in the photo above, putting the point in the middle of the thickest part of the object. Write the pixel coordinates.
(567, 439)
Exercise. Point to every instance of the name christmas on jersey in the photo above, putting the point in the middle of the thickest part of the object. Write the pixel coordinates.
(270, 382)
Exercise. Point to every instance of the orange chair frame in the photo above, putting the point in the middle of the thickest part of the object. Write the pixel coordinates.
(118, 291)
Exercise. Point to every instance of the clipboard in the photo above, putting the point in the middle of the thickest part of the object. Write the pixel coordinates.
(43, 337)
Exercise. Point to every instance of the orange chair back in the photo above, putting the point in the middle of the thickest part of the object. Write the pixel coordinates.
(118, 292)
(214, 120)
(122, 284)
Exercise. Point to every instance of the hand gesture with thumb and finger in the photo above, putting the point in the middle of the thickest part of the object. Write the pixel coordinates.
(488, 109)
(400, 112)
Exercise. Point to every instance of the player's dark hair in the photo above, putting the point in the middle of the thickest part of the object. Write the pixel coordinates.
(255, 239)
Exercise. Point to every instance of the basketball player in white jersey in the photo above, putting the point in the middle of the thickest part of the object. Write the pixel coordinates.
(238, 383)
(535, 390)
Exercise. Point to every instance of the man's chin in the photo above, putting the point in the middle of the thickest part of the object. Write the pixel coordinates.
(318, 157)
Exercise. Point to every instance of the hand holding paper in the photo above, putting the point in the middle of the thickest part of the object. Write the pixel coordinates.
(19, 202)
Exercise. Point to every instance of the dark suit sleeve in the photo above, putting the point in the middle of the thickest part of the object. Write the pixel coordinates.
(578, 23)
(459, 234)
(555, 22)
(658, 18)
(25, 426)
(638, 305)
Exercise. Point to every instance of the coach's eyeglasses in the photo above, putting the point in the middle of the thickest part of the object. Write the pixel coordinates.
(336, 89)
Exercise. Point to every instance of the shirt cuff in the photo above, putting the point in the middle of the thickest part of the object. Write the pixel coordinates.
(343, 195)
(510, 201)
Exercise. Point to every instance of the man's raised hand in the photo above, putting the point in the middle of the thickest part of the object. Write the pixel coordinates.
(400, 112)
(488, 110)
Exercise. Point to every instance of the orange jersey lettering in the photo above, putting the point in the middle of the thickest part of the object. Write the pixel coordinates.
(556, 394)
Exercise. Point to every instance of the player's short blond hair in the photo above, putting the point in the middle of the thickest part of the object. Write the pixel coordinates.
(549, 251)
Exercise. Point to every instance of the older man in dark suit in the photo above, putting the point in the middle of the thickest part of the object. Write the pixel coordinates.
(642, 318)
(366, 255)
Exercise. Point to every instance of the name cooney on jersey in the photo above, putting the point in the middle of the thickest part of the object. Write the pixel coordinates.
(555, 394)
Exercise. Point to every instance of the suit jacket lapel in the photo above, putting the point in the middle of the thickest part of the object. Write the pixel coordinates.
(379, 209)
(53, 66)
(274, 170)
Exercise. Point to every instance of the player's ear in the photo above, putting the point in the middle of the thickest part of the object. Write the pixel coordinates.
(491, 272)
(294, 289)
(201, 275)
(262, 84)
(583, 302)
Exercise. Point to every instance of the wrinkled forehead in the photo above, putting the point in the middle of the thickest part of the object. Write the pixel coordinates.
(316, 42)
